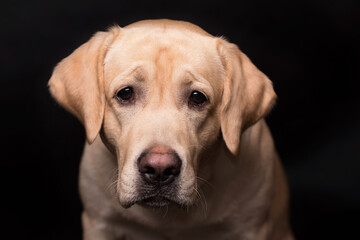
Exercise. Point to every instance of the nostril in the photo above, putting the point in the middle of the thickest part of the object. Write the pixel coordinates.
(172, 171)
(149, 170)
(168, 171)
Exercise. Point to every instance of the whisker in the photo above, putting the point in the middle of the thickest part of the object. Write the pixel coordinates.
(202, 201)
(205, 201)
(166, 211)
(207, 182)
(112, 185)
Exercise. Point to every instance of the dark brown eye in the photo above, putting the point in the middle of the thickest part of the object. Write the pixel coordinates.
(125, 94)
(197, 99)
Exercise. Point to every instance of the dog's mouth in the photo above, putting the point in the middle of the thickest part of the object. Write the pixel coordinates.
(154, 201)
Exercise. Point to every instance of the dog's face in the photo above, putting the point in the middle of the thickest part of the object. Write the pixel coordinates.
(161, 91)
(163, 104)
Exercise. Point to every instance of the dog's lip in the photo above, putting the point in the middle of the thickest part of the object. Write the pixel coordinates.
(155, 201)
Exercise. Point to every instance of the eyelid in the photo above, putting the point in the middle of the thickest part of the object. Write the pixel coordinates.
(125, 101)
(121, 87)
(202, 92)
(202, 89)
(128, 77)
(198, 83)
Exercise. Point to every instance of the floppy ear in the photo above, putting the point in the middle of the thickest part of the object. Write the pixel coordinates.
(77, 82)
(248, 94)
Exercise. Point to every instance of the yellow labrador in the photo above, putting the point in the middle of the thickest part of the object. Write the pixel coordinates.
(177, 147)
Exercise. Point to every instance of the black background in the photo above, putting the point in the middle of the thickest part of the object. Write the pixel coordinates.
(309, 49)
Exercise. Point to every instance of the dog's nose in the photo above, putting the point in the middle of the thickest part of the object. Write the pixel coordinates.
(159, 165)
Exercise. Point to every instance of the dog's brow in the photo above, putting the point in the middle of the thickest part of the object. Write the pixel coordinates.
(135, 67)
(196, 77)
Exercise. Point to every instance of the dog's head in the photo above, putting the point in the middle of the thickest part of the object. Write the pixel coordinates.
(161, 92)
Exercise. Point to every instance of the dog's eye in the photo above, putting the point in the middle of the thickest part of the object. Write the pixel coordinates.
(197, 99)
(125, 94)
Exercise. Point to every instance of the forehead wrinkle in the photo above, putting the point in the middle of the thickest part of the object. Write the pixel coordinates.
(197, 77)
(199, 80)
(136, 67)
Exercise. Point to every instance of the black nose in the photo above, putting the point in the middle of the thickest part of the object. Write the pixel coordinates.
(159, 165)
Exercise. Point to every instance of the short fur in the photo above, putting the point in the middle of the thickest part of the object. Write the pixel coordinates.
(231, 184)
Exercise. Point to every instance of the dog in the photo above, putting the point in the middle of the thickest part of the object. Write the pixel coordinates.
(177, 145)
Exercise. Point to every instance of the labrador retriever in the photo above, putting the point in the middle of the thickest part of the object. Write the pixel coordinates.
(177, 147)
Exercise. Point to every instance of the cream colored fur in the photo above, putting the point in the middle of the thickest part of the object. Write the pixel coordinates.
(231, 184)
